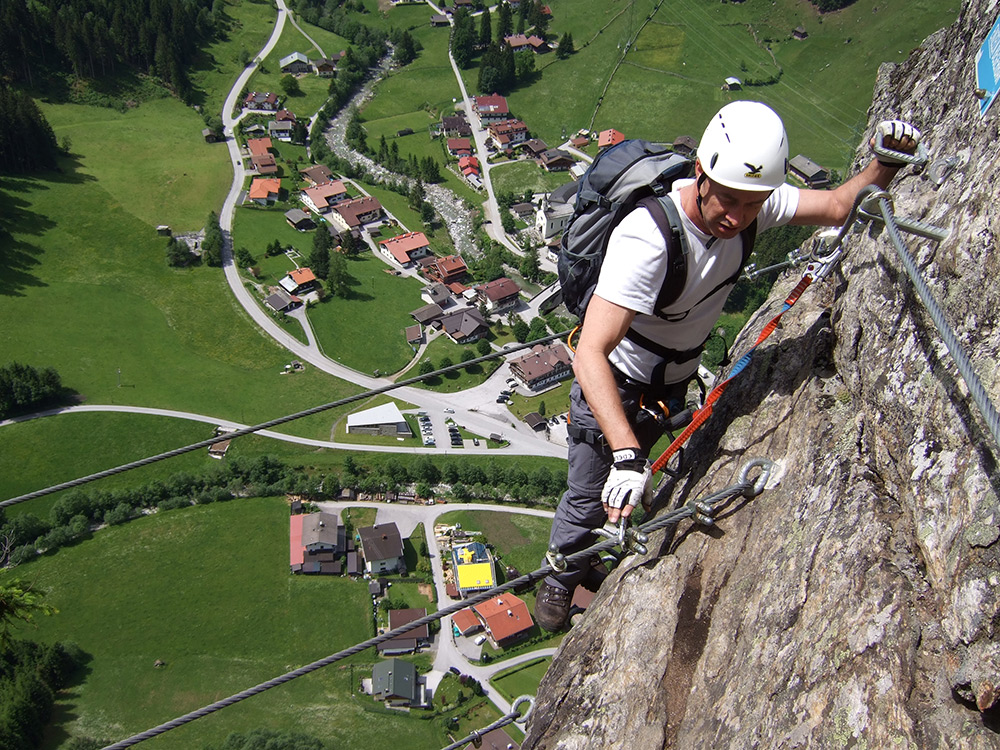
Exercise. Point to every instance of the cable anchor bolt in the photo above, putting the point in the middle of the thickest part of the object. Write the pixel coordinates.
(766, 467)
(515, 707)
(556, 558)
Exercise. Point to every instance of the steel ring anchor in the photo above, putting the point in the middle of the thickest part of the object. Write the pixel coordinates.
(766, 467)
(514, 707)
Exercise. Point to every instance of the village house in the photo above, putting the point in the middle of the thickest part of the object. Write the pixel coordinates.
(505, 618)
(264, 191)
(439, 19)
(811, 173)
(356, 212)
(382, 549)
(459, 146)
(534, 147)
(469, 166)
(499, 295)
(446, 270)
(492, 108)
(295, 63)
(428, 314)
(555, 160)
(520, 42)
(523, 211)
(505, 134)
(261, 157)
(405, 249)
(395, 682)
(285, 115)
(608, 138)
(321, 198)
(282, 131)
(386, 419)
(464, 326)
(299, 219)
(315, 542)
(436, 294)
(317, 174)
(465, 623)
(544, 365)
(456, 126)
(266, 101)
(299, 281)
(408, 642)
(327, 66)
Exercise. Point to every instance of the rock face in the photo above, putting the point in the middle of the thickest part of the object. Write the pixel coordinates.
(857, 602)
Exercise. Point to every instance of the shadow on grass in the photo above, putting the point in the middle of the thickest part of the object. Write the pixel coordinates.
(19, 255)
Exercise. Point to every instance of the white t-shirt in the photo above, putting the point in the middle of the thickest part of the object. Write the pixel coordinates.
(634, 269)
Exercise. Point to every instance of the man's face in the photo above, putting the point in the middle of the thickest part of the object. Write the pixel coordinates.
(727, 211)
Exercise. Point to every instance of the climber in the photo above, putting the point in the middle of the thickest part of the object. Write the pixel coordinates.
(630, 352)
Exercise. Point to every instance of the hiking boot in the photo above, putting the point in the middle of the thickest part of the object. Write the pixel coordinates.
(552, 607)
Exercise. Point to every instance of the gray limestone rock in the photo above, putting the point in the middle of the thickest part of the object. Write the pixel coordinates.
(855, 602)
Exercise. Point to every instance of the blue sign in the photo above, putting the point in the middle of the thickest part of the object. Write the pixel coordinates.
(988, 67)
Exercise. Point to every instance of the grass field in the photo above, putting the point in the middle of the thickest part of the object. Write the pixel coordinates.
(522, 679)
(207, 590)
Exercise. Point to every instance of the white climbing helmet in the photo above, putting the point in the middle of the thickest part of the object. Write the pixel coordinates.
(745, 147)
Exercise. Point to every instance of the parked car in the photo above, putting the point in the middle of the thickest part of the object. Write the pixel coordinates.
(479, 640)
(455, 670)
(475, 441)
(449, 411)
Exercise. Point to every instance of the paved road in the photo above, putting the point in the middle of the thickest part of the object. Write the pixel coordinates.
(447, 652)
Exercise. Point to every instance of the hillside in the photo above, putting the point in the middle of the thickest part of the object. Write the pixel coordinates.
(854, 604)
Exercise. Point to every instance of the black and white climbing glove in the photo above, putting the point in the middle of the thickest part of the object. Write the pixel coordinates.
(894, 132)
(630, 481)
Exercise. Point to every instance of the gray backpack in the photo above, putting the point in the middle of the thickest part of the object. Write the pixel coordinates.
(628, 175)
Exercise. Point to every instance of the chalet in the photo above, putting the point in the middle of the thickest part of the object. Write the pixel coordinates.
(264, 163)
(295, 63)
(299, 219)
(395, 682)
(405, 249)
(505, 134)
(317, 174)
(382, 548)
(456, 125)
(685, 145)
(355, 213)
(732, 84)
(505, 618)
(285, 115)
(499, 295)
(325, 67)
(209, 135)
(299, 281)
(446, 270)
(544, 365)
(281, 301)
(555, 160)
(459, 146)
(281, 130)
(523, 211)
(468, 165)
(439, 19)
(609, 137)
(464, 326)
(315, 541)
(535, 421)
(321, 198)
(266, 101)
(414, 335)
(474, 567)
(492, 108)
(520, 42)
(410, 641)
(799, 32)
(811, 173)
(579, 141)
(535, 146)
(386, 419)
(264, 191)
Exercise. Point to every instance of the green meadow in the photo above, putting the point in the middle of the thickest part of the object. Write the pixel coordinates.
(207, 591)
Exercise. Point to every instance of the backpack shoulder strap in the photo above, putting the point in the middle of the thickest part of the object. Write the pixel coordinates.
(668, 221)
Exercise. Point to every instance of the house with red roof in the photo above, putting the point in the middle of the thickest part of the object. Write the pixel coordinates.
(505, 618)
(609, 137)
(405, 249)
(355, 213)
(491, 108)
(468, 165)
(264, 190)
(299, 281)
(321, 198)
(259, 146)
(267, 101)
(447, 270)
(465, 622)
(459, 146)
(499, 295)
(285, 115)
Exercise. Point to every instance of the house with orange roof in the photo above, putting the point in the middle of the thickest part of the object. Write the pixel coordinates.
(405, 249)
(321, 198)
(355, 213)
(264, 190)
(609, 137)
(465, 622)
(258, 146)
(505, 618)
(299, 281)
